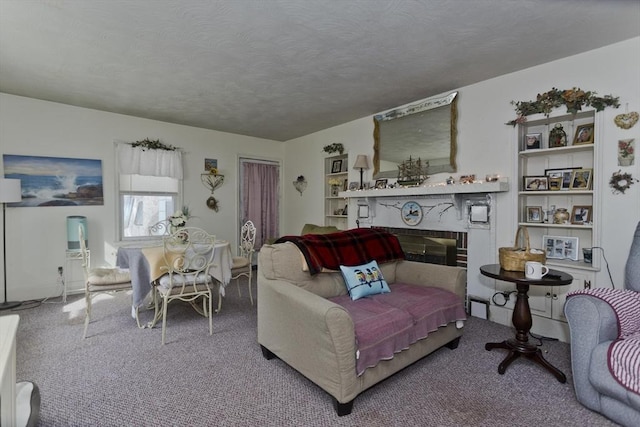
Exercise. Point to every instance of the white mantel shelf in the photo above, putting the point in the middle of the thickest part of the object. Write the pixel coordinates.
(436, 189)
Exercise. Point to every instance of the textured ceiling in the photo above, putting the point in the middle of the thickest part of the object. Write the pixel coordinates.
(281, 69)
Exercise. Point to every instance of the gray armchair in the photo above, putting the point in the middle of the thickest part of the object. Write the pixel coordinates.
(593, 325)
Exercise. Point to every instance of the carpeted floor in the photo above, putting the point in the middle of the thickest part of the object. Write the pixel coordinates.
(122, 376)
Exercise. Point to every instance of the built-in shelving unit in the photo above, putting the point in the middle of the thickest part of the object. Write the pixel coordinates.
(335, 205)
(546, 160)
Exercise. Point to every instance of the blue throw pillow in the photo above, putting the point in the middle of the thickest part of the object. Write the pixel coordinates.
(363, 280)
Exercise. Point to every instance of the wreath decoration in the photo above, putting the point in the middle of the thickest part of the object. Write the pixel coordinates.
(574, 99)
(620, 182)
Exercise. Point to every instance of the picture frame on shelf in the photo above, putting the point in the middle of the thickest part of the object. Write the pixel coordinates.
(584, 134)
(336, 166)
(565, 174)
(354, 185)
(381, 183)
(533, 141)
(581, 179)
(555, 184)
(535, 183)
(534, 214)
(561, 247)
(581, 214)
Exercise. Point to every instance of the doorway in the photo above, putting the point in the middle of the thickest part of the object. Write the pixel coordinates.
(259, 197)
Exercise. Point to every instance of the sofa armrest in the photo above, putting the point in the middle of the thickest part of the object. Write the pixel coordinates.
(447, 277)
(310, 333)
(591, 322)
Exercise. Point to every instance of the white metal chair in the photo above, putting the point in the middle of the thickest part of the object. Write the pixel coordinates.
(188, 256)
(242, 264)
(99, 280)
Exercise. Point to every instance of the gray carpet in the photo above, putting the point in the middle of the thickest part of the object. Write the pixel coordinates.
(123, 376)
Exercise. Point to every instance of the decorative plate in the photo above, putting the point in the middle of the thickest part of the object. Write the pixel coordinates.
(411, 213)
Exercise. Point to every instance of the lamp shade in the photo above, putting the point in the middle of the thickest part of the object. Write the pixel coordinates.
(361, 162)
(10, 190)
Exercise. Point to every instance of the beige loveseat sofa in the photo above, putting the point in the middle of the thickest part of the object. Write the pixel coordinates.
(315, 336)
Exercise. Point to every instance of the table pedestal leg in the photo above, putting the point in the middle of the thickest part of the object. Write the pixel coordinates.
(520, 345)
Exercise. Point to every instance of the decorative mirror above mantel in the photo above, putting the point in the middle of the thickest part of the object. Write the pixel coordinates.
(425, 130)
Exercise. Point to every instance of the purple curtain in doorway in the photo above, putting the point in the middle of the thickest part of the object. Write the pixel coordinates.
(260, 199)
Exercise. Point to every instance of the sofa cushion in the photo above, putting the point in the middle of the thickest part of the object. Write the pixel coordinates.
(430, 307)
(364, 280)
(602, 380)
(380, 320)
(318, 229)
(381, 330)
(282, 261)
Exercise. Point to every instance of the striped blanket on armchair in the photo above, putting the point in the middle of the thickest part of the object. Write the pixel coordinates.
(624, 352)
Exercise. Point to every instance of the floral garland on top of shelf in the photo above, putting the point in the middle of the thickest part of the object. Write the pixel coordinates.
(574, 99)
(333, 148)
(153, 144)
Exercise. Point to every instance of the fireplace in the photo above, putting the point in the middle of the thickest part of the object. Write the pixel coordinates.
(430, 246)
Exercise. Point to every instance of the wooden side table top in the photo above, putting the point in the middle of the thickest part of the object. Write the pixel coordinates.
(553, 278)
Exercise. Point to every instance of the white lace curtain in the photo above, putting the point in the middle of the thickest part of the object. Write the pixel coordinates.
(135, 160)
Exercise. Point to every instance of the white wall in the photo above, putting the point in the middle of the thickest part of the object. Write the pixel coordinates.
(36, 237)
(486, 144)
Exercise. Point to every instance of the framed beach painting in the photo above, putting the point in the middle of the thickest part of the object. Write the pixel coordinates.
(55, 181)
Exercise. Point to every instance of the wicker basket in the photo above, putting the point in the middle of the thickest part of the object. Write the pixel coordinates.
(513, 259)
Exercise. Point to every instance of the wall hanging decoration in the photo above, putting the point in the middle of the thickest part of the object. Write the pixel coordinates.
(626, 152)
(153, 144)
(333, 148)
(412, 212)
(574, 99)
(212, 180)
(56, 181)
(626, 120)
(300, 184)
(620, 182)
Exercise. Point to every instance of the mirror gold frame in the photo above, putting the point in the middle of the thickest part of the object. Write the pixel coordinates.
(427, 130)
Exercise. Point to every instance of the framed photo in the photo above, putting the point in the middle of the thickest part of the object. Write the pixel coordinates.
(381, 183)
(534, 213)
(336, 166)
(564, 174)
(584, 134)
(535, 183)
(532, 141)
(353, 185)
(581, 214)
(555, 184)
(581, 179)
(560, 247)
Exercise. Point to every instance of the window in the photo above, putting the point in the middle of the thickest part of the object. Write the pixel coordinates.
(143, 202)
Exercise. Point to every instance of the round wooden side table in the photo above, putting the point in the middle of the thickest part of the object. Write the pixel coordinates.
(521, 318)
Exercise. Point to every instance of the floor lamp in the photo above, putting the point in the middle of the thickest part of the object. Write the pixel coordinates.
(10, 192)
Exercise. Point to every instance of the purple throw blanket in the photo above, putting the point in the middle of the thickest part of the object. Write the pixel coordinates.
(624, 352)
(388, 323)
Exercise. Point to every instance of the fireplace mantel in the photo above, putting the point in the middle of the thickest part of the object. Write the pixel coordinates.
(426, 190)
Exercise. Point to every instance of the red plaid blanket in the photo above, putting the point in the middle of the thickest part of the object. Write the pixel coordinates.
(351, 247)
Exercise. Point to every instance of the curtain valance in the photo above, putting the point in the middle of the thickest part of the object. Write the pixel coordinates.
(135, 160)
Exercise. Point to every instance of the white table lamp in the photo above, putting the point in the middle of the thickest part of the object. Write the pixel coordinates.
(10, 192)
(362, 164)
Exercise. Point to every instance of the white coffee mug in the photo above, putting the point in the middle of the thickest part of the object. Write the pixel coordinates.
(535, 270)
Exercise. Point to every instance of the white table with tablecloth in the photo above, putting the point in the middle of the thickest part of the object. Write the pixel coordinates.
(145, 265)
